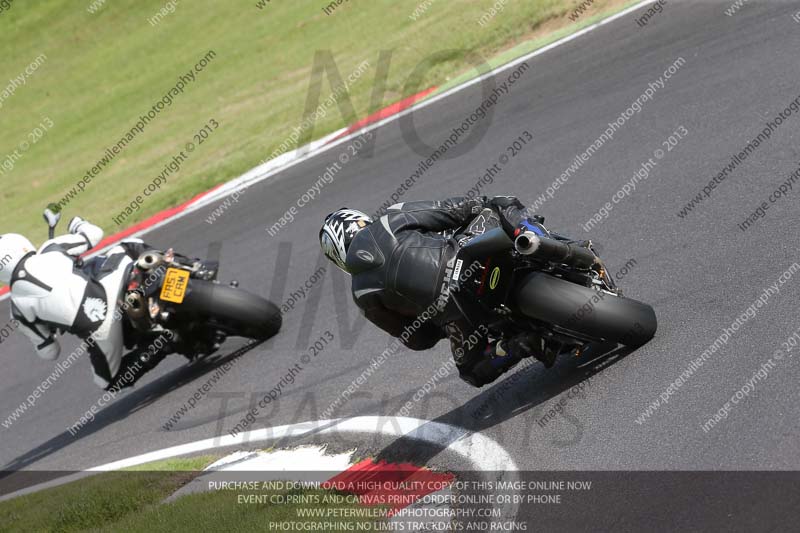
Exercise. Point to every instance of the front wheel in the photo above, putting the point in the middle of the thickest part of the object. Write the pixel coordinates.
(237, 312)
(593, 314)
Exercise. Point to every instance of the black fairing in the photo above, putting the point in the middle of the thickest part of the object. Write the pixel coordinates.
(492, 242)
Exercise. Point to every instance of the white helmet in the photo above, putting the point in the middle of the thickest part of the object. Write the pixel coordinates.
(338, 231)
(13, 249)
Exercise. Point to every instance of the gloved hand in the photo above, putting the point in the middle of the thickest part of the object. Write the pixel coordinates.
(51, 216)
(75, 224)
(501, 202)
(509, 209)
(534, 224)
(92, 233)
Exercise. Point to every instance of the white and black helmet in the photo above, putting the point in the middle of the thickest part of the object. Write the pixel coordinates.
(13, 249)
(338, 231)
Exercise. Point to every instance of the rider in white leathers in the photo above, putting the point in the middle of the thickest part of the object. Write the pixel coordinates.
(51, 294)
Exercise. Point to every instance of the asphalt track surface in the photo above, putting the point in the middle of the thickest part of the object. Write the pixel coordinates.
(699, 273)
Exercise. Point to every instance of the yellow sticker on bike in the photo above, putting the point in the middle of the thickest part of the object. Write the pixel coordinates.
(175, 284)
(494, 279)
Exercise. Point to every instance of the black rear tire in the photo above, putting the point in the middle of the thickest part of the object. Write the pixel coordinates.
(587, 312)
(238, 312)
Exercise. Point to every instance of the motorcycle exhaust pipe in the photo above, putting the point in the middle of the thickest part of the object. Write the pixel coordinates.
(528, 243)
(149, 260)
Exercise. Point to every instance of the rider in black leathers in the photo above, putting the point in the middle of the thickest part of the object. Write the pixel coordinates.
(398, 266)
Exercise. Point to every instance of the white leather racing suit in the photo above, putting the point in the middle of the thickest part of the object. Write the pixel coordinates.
(51, 294)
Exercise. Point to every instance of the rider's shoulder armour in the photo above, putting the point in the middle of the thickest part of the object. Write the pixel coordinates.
(364, 253)
(33, 278)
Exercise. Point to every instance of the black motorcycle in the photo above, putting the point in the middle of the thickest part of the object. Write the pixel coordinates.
(175, 304)
(547, 284)
(170, 292)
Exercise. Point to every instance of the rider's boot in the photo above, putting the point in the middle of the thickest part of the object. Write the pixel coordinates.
(131, 370)
(532, 345)
(500, 356)
(495, 362)
(126, 375)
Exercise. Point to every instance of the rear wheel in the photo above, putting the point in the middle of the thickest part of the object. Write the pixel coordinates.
(237, 312)
(593, 314)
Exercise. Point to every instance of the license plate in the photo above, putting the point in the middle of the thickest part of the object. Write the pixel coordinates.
(175, 284)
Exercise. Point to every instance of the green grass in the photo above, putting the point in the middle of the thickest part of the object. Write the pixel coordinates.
(130, 501)
(103, 70)
(221, 511)
(541, 38)
(95, 502)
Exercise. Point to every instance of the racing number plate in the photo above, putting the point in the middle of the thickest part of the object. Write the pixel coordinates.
(175, 284)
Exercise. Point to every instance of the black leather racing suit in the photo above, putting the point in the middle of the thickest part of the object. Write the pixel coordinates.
(398, 267)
